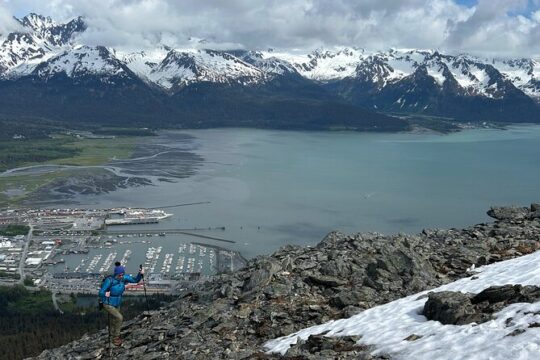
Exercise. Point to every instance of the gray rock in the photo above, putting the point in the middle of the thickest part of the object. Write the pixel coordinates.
(456, 308)
(497, 294)
(508, 213)
(345, 298)
(450, 307)
(262, 276)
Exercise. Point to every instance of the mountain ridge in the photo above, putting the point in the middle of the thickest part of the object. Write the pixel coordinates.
(410, 81)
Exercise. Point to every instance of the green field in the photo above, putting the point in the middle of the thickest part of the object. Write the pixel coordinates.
(88, 152)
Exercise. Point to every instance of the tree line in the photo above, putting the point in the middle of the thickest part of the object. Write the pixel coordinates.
(29, 323)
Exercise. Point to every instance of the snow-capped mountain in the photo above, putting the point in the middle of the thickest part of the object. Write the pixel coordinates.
(40, 38)
(83, 61)
(414, 81)
(180, 68)
(270, 65)
(323, 65)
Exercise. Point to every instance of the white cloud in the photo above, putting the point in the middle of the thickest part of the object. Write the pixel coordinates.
(7, 22)
(491, 26)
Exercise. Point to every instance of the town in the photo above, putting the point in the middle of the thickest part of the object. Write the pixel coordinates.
(70, 251)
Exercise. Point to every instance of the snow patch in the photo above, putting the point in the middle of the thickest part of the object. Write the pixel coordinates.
(386, 326)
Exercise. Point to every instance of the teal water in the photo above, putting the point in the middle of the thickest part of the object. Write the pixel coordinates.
(270, 188)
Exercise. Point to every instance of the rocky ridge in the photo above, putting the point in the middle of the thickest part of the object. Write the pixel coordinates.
(231, 316)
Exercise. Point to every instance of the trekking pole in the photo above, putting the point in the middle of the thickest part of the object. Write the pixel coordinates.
(109, 327)
(144, 287)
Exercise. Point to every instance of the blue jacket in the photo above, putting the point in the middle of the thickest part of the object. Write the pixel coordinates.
(116, 287)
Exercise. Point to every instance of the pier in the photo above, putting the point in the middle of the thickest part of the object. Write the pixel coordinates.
(167, 231)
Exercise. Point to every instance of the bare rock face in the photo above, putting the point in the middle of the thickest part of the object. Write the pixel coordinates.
(231, 316)
(456, 308)
(508, 213)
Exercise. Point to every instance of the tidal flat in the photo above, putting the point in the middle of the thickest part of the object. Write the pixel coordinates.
(93, 166)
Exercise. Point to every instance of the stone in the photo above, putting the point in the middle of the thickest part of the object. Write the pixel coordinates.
(456, 308)
(345, 298)
(516, 332)
(508, 213)
(413, 337)
(497, 294)
(450, 307)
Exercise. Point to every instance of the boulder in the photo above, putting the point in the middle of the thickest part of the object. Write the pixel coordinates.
(495, 294)
(508, 213)
(449, 307)
(456, 308)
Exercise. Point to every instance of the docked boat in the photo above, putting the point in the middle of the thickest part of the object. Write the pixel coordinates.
(136, 216)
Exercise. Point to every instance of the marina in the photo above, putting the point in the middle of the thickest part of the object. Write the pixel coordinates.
(188, 258)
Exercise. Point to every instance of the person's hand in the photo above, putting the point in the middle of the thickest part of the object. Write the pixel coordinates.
(107, 294)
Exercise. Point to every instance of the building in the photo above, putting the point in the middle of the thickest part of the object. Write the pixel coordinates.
(33, 261)
(5, 244)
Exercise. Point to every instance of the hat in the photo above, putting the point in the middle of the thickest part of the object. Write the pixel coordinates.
(119, 270)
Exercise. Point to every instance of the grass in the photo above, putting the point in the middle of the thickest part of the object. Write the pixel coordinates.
(91, 152)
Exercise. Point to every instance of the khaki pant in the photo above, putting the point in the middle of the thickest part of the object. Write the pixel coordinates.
(115, 319)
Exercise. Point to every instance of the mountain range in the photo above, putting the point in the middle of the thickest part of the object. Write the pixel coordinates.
(47, 71)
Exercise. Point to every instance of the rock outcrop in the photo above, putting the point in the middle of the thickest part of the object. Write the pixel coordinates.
(231, 316)
(456, 308)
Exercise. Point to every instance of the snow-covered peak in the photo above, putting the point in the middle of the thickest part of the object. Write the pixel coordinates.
(182, 67)
(37, 22)
(323, 65)
(523, 73)
(82, 61)
(41, 39)
(266, 62)
(387, 326)
(143, 62)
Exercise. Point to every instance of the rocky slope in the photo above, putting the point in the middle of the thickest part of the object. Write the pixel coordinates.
(234, 314)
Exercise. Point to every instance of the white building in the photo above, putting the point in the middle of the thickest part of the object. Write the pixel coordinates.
(5, 244)
(33, 261)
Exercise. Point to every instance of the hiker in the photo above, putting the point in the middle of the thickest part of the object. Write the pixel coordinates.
(110, 297)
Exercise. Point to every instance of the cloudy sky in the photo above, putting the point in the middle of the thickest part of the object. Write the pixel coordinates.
(499, 27)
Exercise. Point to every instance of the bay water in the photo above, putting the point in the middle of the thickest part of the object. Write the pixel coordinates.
(271, 188)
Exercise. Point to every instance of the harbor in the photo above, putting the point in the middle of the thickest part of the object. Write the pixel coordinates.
(73, 249)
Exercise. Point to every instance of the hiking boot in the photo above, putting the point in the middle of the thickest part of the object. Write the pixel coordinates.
(117, 341)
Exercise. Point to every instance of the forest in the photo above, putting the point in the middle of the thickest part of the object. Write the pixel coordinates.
(29, 323)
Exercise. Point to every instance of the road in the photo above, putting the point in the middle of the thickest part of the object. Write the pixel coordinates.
(23, 255)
